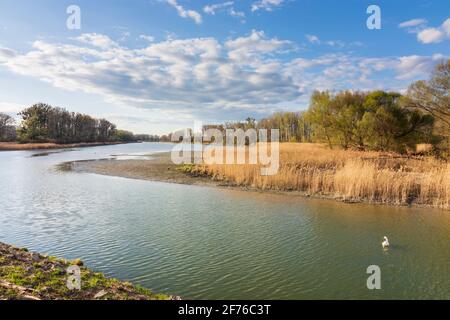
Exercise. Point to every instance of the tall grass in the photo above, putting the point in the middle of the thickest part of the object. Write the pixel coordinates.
(348, 175)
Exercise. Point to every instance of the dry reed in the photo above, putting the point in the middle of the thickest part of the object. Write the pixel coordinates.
(347, 175)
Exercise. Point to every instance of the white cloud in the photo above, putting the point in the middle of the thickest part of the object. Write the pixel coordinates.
(446, 27)
(414, 66)
(266, 5)
(124, 36)
(227, 6)
(97, 40)
(147, 38)
(203, 77)
(212, 8)
(238, 14)
(249, 49)
(412, 23)
(430, 35)
(6, 54)
(182, 12)
(427, 35)
(335, 43)
(312, 38)
(332, 43)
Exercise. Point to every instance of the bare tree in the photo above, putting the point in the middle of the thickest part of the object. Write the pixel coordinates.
(433, 96)
(7, 128)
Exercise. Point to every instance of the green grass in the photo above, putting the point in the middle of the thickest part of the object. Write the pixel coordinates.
(47, 279)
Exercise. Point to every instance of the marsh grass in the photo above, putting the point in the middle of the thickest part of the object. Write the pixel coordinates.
(348, 175)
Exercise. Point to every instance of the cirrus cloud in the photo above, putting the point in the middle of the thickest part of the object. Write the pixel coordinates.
(213, 8)
(267, 5)
(412, 23)
(184, 13)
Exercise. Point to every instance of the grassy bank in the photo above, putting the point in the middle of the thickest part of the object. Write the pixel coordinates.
(13, 146)
(31, 276)
(347, 175)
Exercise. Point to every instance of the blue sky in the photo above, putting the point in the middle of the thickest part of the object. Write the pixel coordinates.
(153, 66)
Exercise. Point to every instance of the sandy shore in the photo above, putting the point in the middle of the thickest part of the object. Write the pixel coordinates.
(159, 168)
(13, 146)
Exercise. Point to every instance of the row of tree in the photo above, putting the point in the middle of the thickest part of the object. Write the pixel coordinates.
(44, 123)
(292, 126)
(128, 136)
(376, 120)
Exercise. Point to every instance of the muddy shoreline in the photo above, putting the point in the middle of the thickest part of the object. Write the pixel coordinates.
(160, 168)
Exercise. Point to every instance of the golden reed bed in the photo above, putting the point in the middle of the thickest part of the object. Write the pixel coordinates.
(348, 175)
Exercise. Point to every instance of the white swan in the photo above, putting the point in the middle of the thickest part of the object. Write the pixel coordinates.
(385, 243)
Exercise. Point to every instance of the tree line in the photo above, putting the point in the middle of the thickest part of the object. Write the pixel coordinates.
(43, 123)
(375, 120)
(292, 126)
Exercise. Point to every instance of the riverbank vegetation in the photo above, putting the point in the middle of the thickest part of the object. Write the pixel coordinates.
(348, 175)
(31, 276)
(42, 123)
(370, 121)
(376, 146)
(306, 169)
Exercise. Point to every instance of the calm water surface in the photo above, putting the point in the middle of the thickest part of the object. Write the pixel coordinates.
(208, 243)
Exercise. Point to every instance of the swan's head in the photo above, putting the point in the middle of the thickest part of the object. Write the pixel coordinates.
(385, 238)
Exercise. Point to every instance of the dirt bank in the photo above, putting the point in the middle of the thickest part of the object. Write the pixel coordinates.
(31, 276)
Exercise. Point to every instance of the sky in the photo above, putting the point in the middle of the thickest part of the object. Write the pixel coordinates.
(155, 66)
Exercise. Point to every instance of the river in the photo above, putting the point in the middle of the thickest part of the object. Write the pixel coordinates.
(210, 243)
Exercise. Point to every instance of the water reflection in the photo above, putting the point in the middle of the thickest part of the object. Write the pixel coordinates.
(203, 242)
